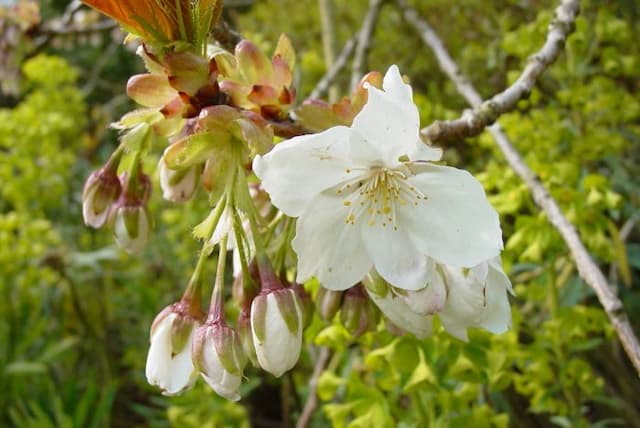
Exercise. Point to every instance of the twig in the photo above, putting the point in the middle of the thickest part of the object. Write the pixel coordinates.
(364, 41)
(323, 84)
(627, 227)
(587, 268)
(485, 113)
(312, 402)
(325, 8)
(225, 35)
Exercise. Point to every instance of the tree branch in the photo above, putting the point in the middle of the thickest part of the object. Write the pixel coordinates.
(323, 84)
(485, 113)
(312, 402)
(325, 7)
(364, 41)
(587, 268)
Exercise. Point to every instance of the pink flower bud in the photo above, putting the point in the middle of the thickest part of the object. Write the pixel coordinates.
(328, 303)
(100, 191)
(357, 313)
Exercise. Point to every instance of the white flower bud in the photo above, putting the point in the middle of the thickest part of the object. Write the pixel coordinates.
(217, 352)
(132, 228)
(177, 185)
(169, 364)
(101, 190)
(276, 324)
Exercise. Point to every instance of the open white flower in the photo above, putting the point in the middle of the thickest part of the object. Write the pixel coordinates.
(368, 196)
(169, 364)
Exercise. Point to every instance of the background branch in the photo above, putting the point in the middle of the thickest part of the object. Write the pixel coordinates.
(312, 401)
(323, 84)
(558, 30)
(325, 7)
(364, 42)
(485, 113)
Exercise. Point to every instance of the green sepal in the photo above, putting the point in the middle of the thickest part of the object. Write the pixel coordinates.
(181, 329)
(131, 216)
(196, 149)
(138, 138)
(289, 306)
(258, 317)
(376, 284)
(229, 349)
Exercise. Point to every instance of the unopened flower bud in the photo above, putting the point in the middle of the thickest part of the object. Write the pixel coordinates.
(328, 303)
(357, 313)
(217, 352)
(306, 304)
(177, 185)
(101, 190)
(169, 364)
(132, 227)
(276, 325)
(244, 330)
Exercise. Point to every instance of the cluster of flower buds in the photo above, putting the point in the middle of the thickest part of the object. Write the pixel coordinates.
(256, 83)
(121, 200)
(268, 333)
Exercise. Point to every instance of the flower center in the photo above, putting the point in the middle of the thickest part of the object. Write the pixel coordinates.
(377, 193)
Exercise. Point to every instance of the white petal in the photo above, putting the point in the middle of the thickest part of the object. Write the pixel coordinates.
(429, 300)
(91, 218)
(399, 313)
(496, 317)
(223, 228)
(328, 247)
(455, 225)
(222, 382)
(466, 302)
(296, 170)
(226, 387)
(395, 87)
(395, 257)
(388, 126)
(171, 374)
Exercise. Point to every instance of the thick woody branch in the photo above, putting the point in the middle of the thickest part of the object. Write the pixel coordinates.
(587, 268)
(364, 42)
(485, 113)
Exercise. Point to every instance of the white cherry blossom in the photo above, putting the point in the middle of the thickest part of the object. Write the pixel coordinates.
(369, 196)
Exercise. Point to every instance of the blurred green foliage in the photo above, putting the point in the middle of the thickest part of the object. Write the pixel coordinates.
(75, 312)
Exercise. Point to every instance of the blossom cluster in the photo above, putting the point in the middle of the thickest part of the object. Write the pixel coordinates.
(357, 203)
